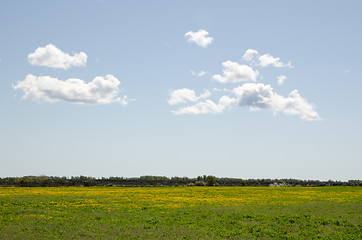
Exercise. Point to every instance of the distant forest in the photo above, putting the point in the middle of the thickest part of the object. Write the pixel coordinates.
(158, 181)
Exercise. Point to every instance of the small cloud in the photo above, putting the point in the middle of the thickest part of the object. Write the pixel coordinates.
(200, 74)
(53, 57)
(221, 90)
(200, 38)
(281, 79)
(234, 72)
(101, 90)
(207, 106)
(185, 95)
(249, 55)
(266, 60)
(346, 71)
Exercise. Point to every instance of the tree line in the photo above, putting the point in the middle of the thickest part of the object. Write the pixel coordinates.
(145, 181)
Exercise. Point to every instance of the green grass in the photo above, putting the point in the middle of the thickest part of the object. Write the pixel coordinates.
(181, 213)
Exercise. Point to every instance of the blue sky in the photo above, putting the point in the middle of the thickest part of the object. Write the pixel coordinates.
(266, 89)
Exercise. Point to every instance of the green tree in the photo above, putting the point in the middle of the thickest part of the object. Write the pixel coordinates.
(211, 180)
(243, 183)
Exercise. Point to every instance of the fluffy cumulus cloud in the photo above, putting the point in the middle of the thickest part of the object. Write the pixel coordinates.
(249, 55)
(234, 72)
(255, 96)
(260, 96)
(101, 90)
(281, 79)
(185, 95)
(200, 38)
(51, 56)
(266, 60)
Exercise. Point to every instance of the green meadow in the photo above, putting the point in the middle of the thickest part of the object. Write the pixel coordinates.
(181, 213)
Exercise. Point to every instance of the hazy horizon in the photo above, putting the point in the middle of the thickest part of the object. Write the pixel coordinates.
(243, 89)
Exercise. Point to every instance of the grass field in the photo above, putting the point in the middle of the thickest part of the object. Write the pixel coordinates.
(181, 213)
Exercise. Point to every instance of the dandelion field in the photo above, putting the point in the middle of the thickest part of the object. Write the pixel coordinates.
(181, 213)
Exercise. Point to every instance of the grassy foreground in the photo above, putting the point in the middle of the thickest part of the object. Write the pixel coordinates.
(181, 213)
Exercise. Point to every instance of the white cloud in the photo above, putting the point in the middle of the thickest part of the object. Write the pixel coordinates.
(221, 90)
(281, 79)
(266, 60)
(200, 74)
(227, 101)
(260, 96)
(101, 90)
(249, 55)
(234, 72)
(200, 38)
(256, 96)
(207, 106)
(51, 56)
(185, 95)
